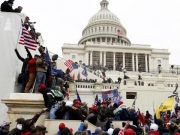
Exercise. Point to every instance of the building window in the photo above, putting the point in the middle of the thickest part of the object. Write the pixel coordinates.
(73, 56)
(131, 95)
(159, 62)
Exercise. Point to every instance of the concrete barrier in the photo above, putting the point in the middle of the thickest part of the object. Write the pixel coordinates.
(53, 125)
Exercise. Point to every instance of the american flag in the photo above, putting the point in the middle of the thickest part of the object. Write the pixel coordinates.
(96, 100)
(120, 32)
(26, 39)
(69, 63)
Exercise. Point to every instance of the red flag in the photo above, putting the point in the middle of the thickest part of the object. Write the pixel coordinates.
(141, 118)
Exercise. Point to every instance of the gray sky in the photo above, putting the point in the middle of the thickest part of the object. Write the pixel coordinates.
(153, 22)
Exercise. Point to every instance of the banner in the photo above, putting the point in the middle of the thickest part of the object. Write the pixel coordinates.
(113, 95)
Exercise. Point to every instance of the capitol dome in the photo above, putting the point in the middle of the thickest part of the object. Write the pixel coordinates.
(103, 27)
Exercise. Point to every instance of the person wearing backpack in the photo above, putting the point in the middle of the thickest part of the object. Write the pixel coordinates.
(51, 98)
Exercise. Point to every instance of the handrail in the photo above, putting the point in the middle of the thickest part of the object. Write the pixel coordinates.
(88, 69)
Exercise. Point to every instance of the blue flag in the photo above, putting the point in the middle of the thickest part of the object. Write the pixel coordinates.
(84, 72)
(74, 66)
(78, 97)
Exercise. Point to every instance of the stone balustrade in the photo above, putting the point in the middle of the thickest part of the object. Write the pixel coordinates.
(145, 83)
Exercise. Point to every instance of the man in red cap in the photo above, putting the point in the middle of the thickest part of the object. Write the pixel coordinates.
(61, 127)
(75, 112)
(129, 132)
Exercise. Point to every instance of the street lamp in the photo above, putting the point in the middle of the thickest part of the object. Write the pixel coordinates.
(172, 66)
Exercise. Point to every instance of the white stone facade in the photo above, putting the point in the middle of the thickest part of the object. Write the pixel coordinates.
(101, 44)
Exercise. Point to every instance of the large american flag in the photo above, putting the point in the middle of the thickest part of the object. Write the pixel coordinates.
(26, 39)
(69, 63)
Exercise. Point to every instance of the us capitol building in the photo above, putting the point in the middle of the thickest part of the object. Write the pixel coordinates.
(100, 44)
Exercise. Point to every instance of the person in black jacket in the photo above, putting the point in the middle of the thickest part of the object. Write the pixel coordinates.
(19, 127)
(24, 68)
(75, 111)
(18, 10)
(50, 102)
(6, 6)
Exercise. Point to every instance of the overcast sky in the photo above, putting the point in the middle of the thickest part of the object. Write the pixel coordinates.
(152, 22)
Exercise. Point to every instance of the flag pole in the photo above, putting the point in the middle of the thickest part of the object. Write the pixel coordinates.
(19, 34)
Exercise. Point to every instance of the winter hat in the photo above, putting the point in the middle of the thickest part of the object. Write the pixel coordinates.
(110, 131)
(41, 87)
(61, 126)
(20, 120)
(129, 132)
(116, 131)
(98, 130)
(154, 127)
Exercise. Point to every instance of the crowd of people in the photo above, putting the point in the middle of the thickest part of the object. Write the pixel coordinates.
(40, 75)
(100, 114)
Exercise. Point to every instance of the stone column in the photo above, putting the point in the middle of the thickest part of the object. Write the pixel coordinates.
(91, 58)
(124, 60)
(104, 59)
(150, 66)
(100, 58)
(96, 40)
(100, 39)
(114, 60)
(133, 62)
(110, 41)
(146, 62)
(86, 58)
(137, 62)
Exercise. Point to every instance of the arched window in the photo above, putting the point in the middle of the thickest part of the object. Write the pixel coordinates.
(111, 29)
(103, 29)
(107, 29)
(92, 30)
(99, 29)
(95, 29)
